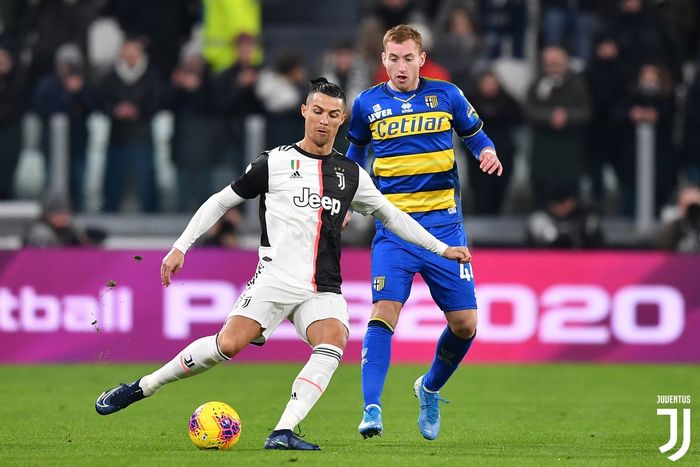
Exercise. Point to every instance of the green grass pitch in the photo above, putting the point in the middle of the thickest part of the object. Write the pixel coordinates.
(498, 415)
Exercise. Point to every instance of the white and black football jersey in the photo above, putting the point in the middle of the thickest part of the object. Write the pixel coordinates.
(303, 201)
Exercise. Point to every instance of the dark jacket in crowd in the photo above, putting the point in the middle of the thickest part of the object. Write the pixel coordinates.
(194, 113)
(50, 23)
(501, 114)
(644, 38)
(558, 154)
(666, 163)
(51, 97)
(233, 99)
(145, 93)
(13, 90)
(166, 26)
(691, 131)
(577, 229)
(13, 102)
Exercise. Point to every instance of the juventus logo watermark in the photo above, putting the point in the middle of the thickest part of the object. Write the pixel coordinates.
(672, 413)
(188, 361)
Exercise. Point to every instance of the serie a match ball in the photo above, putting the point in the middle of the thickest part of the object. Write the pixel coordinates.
(215, 425)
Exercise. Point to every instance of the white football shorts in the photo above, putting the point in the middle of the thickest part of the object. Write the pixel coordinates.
(269, 303)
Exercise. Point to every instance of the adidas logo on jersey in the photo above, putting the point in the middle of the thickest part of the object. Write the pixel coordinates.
(295, 174)
(314, 201)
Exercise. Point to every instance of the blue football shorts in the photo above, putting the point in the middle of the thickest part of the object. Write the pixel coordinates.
(395, 262)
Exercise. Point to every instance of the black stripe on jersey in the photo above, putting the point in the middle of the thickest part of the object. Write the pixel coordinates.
(340, 178)
(264, 239)
(468, 133)
(254, 181)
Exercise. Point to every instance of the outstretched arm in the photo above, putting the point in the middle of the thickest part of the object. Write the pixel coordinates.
(205, 217)
(368, 200)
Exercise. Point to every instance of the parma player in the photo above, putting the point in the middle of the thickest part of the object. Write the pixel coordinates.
(305, 190)
(409, 122)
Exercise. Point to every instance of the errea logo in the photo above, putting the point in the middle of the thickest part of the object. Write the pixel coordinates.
(315, 201)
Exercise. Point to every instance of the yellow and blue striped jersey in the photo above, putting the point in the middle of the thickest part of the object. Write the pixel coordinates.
(411, 133)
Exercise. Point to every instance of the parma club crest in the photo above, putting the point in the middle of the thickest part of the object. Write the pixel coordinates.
(431, 101)
(378, 283)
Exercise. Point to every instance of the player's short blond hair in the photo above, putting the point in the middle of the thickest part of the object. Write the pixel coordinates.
(403, 33)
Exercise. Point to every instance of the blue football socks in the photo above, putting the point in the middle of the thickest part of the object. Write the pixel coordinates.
(376, 355)
(449, 352)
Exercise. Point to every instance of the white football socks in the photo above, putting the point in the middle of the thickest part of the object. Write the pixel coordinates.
(310, 384)
(194, 359)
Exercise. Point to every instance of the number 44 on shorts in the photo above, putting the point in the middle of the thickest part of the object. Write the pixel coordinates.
(465, 271)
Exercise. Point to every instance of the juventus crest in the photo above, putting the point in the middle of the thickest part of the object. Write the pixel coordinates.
(341, 180)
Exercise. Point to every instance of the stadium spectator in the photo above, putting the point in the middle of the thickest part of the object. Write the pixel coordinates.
(66, 91)
(691, 130)
(606, 76)
(386, 14)
(682, 20)
(131, 96)
(570, 25)
(458, 46)
(194, 145)
(682, 234)
(501, 114)
(164, 26)
(650, 99)
(13, 17)
(643, 37)
(225, 232)
(48, 24)
(56, 228)
(504, 19)
(281, 90)
(223, 22)
(341, 65)
(558, 108)
(236, 100)
(13, 102)
(564, 223)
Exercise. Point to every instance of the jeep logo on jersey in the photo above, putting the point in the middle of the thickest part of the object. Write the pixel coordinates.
(315, 201)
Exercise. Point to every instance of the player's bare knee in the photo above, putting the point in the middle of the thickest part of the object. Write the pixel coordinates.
(327, 331)
(463, 324)
(230, 344)
(338, 339)
(387, 311)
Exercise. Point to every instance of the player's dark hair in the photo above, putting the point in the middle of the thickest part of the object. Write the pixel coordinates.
(323, 86)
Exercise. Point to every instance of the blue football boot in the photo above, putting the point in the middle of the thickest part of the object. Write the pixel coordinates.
(371, 424)
(119, 398)
(285, 439)
(429, 415)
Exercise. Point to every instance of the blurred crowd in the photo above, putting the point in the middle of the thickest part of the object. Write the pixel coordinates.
(568, 83)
